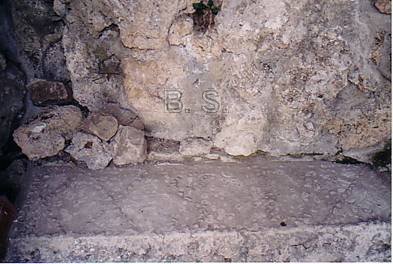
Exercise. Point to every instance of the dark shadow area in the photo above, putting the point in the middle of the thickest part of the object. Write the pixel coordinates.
(384, 157)
(12, 93)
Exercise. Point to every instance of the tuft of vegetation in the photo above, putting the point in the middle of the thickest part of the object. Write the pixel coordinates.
(204, 14)
(201, 6)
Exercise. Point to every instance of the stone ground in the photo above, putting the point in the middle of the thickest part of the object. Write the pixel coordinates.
(256, 210)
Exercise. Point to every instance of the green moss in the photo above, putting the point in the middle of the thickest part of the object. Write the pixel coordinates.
(201, 7)
(204, 15)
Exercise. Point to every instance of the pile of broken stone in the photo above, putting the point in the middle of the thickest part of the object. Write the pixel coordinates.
(112, 134)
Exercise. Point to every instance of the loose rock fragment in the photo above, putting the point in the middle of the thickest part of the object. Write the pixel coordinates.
(164, 150)
(384, 6)
(195, 147)
(44, 92)
(129, 146)
(90, 150)
(124, 116)
(45, 136)
(102, 125)
(36, 143)
(63, 119)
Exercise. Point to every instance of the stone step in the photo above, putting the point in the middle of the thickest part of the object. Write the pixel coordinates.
(256, 210)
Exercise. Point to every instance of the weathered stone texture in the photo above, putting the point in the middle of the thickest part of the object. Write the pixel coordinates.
(255, 210)
(102, 125)
(45, 136)
(384, 6)
(195, 147)
(39, 36)
(36, 143)
(129, 146)
(90, 150)
(44, 92)
(284, 77)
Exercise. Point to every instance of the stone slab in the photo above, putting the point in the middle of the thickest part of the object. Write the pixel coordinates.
(256, 210)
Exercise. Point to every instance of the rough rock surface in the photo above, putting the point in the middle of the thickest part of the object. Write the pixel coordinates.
(63, 119)
(129, 146)
(90, 150)
(103, 126)
(125, 117)
(46, 135)
(38, 142)
(39, 40)
(31, 47)
(283, 77)
(164, 150)
(256, 210)
(384, 6)
(44, 92)
(195, 147)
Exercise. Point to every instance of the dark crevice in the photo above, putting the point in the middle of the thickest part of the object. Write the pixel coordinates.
(383, 158)
(348, 160)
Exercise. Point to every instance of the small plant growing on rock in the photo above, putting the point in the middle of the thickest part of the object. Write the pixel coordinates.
(204, 14)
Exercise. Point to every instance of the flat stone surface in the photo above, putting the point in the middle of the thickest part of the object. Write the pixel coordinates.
(205, 211)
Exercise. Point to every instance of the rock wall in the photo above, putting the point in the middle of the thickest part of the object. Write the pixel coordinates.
(282, 77)
(239, 77)
(30, 49)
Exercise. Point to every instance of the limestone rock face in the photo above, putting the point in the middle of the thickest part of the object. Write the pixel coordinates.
(271, 75)
(90, 150)
(129, 146)
(46, 135)
(102, 125)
